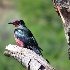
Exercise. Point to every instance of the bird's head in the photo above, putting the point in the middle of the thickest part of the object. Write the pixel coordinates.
(17, 23)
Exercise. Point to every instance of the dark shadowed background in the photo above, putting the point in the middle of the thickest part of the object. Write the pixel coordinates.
(40, 17)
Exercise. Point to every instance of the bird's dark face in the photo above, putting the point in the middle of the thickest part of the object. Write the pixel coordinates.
(17, 23)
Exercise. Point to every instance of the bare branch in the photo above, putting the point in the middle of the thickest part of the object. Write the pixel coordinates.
(63, 9)
(28, 58)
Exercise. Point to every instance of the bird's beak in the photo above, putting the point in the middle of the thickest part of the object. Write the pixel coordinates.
(10, 23)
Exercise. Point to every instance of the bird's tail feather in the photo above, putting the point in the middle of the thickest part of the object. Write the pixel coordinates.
(37, 50)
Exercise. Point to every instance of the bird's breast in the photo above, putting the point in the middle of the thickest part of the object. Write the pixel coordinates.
(18, 41)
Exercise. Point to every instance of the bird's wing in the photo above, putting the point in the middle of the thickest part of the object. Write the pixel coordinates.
(27, 38)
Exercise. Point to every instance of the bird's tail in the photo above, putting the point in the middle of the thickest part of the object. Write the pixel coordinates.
(37, 50)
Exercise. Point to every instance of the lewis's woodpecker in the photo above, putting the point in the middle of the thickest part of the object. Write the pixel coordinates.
(24, 37)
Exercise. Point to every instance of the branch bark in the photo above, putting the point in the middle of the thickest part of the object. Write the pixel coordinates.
(62, 7)
(27, 58)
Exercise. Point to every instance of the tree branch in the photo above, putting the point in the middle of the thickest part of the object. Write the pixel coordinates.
(62, 7)
(28, 58)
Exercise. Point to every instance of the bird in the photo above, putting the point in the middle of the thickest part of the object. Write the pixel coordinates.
(24, 37)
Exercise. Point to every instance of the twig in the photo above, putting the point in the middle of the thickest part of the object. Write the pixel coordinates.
(28, 58)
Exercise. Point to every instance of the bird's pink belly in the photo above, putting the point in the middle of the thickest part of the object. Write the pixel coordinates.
(19, 43)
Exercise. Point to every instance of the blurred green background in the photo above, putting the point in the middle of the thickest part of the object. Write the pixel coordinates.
(41, 18)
